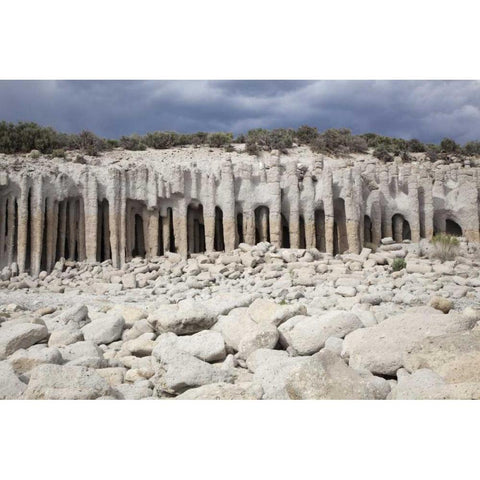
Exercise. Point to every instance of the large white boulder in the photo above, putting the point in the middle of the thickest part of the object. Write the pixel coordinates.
(206, 345)
(424, 384)
(234, 327)
(262, 310)
(76, 316)
(263, 335)
(224, 391)
(307, 335)
(179, 370)
(15, 336)
(456, 357)
(326, 376)
(105, 330)
(381, 348)
(11, 387)
(23, 360)
(85, 353)
(271, 371)
(65, 382)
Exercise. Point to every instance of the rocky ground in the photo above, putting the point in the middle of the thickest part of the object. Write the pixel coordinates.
(259, 323)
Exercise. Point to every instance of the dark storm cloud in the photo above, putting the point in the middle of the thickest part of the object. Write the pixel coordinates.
(428, 110)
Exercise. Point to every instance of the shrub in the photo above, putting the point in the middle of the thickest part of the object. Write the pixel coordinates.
(471, 148)
(34, 154)
(445, 247)
(306, 134)
(133, 142)
(415, 145)
(80, 159)
(240, 139)
(199, 138)
(383, 154)
(252, 148)
(229, 148)
(161, 140)
(58, 153)
(399, 264)
(90, 143)
(448, 145)
(219, 139)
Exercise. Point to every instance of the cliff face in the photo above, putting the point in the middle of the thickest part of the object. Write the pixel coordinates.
(191, 200)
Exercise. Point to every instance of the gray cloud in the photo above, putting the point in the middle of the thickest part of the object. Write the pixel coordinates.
(428, 110)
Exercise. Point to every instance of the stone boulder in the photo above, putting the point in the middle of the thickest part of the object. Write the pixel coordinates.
(265, 311)
(23, 360)
(13, 337)
(105, 330)
(441, 303)
(86, 354)
(263, 335)
(234, 326)
(65, 382)
(182, 319)
(325, 376)
(456, 358)
(272, 369)
(76, 316)
(11, 387)
(206, 345)
(65, 336)
(307, 335)
(381, 348)
(424, 384)
(224, 391)
(179, 370)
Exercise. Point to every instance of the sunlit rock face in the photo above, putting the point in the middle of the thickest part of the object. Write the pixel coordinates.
(127, 204)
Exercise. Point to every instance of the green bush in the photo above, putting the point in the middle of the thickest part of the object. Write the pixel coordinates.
(34, 154)
(448, 145)
(133, 142)
(415, 146)
(219, 139)
(229, 148)
(90, 143)
(383, 154)
(240, 139)
(399, 264)
(306, 134)
(445, 247)
(161, 140)
(471, 148)
(252, 148)
(58, 153)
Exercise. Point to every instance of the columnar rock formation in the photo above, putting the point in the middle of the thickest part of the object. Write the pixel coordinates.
(117, 209)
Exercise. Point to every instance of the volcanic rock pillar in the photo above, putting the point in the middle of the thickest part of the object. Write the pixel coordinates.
(90, 202)
(37, 226)
(293, 198)
(22, 225)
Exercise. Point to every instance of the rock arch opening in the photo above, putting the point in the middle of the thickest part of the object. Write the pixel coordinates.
(302, 239)
(285, 232)
(453, 228)
(139, 237)
(367, 230)
(240, 236)
(262, 224)
(195, 229)
(103, 232)
(218, 240)
(400, 228)
(320, 229)
(340, 237)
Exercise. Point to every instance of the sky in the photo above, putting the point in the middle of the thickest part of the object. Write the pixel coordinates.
(427, 110)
